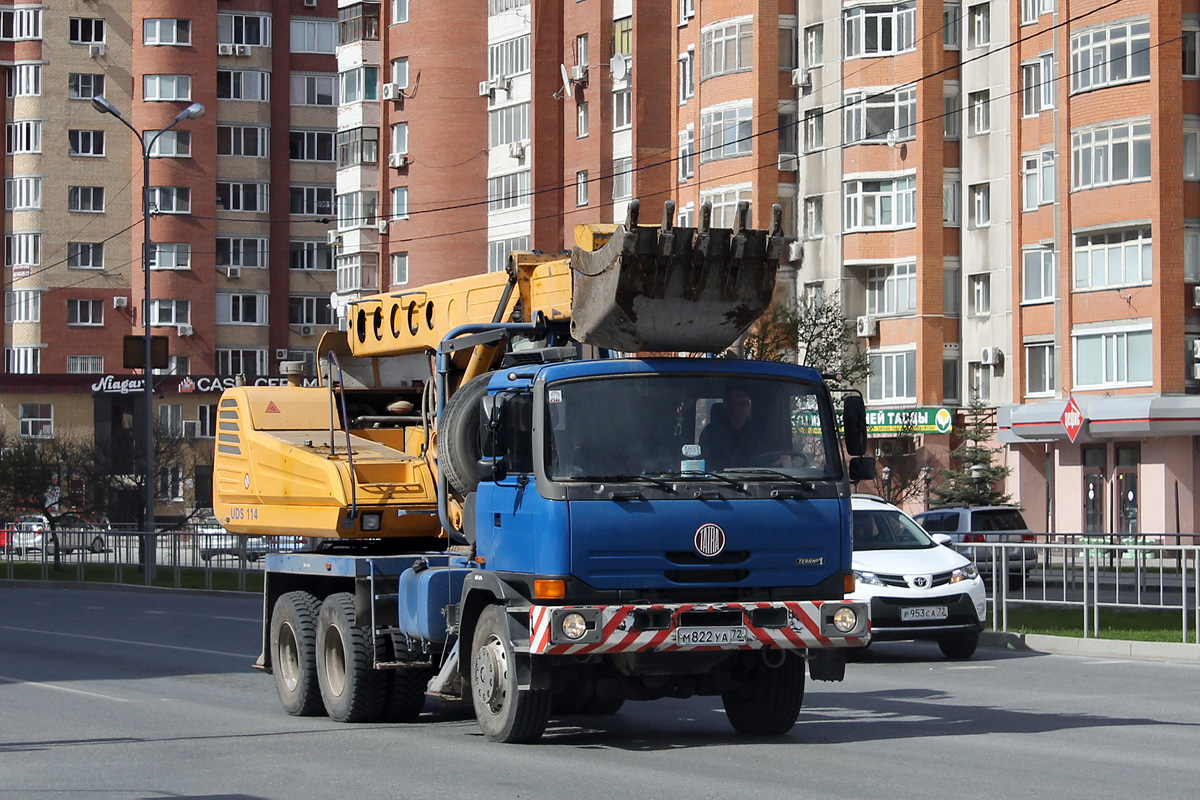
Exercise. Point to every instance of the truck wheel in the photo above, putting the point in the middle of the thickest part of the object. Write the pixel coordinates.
(505, 713)
(769, 701)
(351, 688)
(458, 443)
(960, 647)
(293, 648)
(406, 694)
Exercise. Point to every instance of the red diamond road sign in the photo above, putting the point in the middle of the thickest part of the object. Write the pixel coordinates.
(1072, 419)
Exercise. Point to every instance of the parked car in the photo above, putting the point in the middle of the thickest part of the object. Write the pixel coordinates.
(918, 588)
(25, 534)
(985, 524)
(246, 548)
(76, 532)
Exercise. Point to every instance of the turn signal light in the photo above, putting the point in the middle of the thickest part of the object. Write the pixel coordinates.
(848, 582)
(549, 589)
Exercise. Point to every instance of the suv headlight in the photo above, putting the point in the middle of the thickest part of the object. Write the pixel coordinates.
(967, 573)
(867, 578)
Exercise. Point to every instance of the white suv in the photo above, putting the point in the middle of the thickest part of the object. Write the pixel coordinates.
(918, 588)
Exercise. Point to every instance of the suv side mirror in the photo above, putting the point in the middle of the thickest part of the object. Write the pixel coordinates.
(854, 423)
(943, 539)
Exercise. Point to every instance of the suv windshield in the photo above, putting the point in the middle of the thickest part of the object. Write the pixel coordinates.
(662, 424)
(997, 519)
(885, 529)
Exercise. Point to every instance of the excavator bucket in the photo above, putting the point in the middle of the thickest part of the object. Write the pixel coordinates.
(674, 289)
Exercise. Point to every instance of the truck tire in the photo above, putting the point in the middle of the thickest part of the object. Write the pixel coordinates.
(505, 713)
(352, 690)
(769, 701)
(405, 698)
(293, 653)
(960, 647)
(458, 439)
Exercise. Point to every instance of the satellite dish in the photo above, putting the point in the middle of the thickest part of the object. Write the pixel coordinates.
(568, 89)
(619, 67)
(891, 138)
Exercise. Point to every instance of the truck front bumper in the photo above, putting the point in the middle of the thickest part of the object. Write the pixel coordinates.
(787, 625)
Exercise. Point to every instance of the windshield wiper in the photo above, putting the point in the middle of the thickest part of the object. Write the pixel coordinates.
(627, 479)
(774, 473)
(699, 473)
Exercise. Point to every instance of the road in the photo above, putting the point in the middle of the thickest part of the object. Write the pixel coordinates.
(150, 695)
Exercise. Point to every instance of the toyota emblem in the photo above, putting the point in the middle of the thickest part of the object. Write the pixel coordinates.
(709, 540)
(921, 582)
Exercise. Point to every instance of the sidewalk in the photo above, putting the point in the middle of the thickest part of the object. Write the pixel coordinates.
(1104, 648)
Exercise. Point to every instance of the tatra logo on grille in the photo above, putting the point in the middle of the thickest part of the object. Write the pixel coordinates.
(921, 582)
(709, 540)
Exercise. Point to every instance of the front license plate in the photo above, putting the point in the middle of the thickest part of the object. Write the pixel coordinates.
(714, 636)
(924, 612)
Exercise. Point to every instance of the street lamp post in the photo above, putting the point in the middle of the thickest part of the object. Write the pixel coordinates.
(101, 104)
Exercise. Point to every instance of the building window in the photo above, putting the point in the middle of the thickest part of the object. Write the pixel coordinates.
(951, 202)
(1110, 55)
(250, 362)
(581, 188)
(84, 86)
(171, 199)
(249, 85)
(789, 129)
(85, 255)
(246, 29)
(981, 382)
(687, 10)
(814, 45)
(357, 272)
(303, 254)
(1037, 85)
(951, 288)
(622, 109)
(727, 47)
(814, 129)
(310, 199)
(687, 153)
(511, 57)
(508, 124)
(509, 191)
(876, 204)
(1111, 155)
(1114, 359)
(21, 24)
(85, 312)
(356, 209)
(981, 295)
(24, 80)
(951, 111)
(310, 145)
(399, 269)
(727, 132)
(357, 146)
(236, 251)
(22, 250)
(358, 22)
(166, 32)
(814, 217)
(170, 312)
(85, 365)
(871, 31)
(1039, 369)
(241, 309)
(252, 197)
(981, 112)
(170, 255)
(622, 184)
(979, 25)
(981, 205)
(893, 377)
(1191, 251)
(24, 136)
(23, 305)
(581, 120)
(686, 218)
(400, 72)
(172, 144)
(359, 85)
(498, 251)
(400, 202)
(1037, 275)
(952, 29)
(1105, 260)
(789, 46)
(313, 36)
(892, 290)
(37, 420)
(687, 77)
(314, 90)
(1191, 66)
(85, 143)
(250, 141)
(1037, 180)
(950, 383)
(86, 30)
(23, 193)
(304, 310)
(1191, 155)
(166, 87)
(400, 137)
(872, 116)
(85, 199)
(724, 202)
(170, 419)
(622, 38)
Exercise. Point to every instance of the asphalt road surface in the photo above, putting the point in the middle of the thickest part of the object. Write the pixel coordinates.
(150, 695)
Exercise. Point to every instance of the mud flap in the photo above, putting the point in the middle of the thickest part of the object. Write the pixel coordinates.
(675, 289)
(827, 665)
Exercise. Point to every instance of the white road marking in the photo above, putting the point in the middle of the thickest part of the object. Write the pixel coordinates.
(255, 620)
(6, 679)
(970, 666)
(128, 641)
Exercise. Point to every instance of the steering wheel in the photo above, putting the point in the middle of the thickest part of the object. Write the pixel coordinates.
(799, 459)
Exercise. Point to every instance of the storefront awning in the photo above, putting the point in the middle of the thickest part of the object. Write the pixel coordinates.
(1105, 418)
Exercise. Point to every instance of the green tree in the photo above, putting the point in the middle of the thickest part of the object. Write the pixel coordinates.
(43, 476)
(904, 472)
(811, 331)
(974, 481)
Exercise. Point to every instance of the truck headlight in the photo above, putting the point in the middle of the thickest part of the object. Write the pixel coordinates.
(868, 578)
(573, 625)
(845, 619)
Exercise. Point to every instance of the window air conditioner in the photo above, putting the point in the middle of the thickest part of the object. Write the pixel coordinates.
(307, 330)
(95, 50)
(1196, 297)
(516, 149)
(487, 89)
(383, 226)
(224, 49)
(398, 160)
(392, 91)
(866, 326)
(241, 50)
(789, 162)
(185, 329)
(120, 301)
(281, 353)
(233, 273)
(795, 252)
(310, 3)
(991, 357)
(333, 237)
(191, 429)
(801, 78)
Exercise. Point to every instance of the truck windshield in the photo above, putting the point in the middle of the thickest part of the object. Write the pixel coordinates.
(755, 426)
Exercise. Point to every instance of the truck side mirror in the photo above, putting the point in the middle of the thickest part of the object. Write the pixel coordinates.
(491, 469)
(862, 468)
(854, 422)
(491, 425)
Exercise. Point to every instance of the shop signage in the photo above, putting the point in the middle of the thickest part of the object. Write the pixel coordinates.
(909, 420)
(189, 384)
(1072, 419)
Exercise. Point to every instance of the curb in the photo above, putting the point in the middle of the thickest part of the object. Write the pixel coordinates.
(1103, 648)
(121, 587)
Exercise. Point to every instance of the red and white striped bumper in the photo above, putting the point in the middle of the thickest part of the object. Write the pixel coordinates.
(613, 629)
